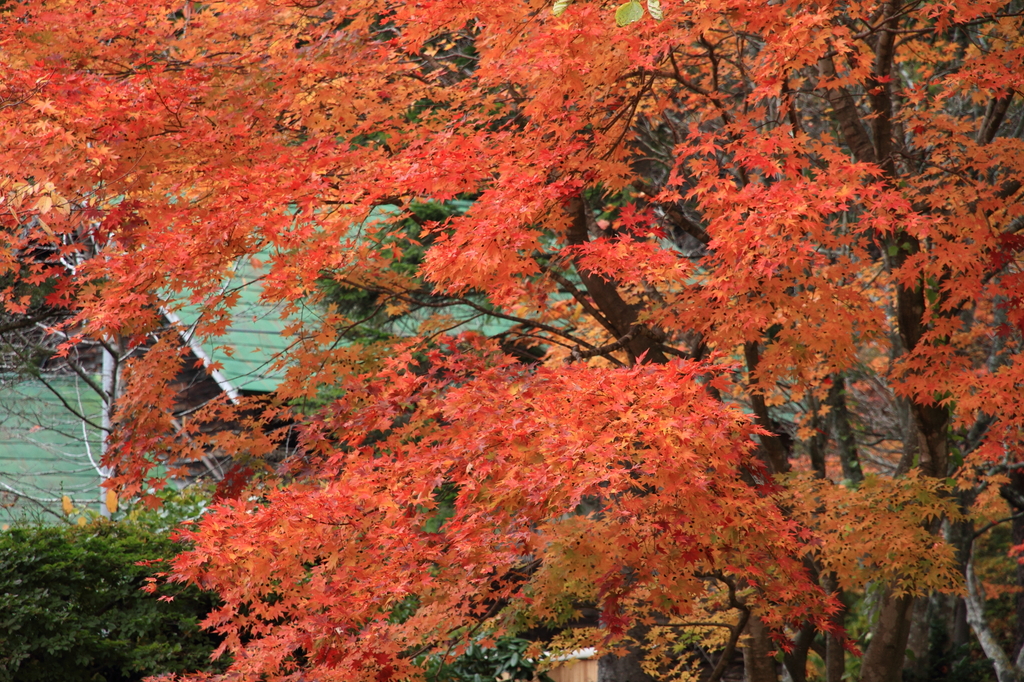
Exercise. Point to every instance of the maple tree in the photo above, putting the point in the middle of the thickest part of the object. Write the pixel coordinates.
(751, 238)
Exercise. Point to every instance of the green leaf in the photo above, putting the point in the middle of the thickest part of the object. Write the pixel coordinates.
(560, 7)
(629, 13)
(654, 7)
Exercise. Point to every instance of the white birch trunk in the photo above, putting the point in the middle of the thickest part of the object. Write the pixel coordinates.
(1006, 671)
(109, 385)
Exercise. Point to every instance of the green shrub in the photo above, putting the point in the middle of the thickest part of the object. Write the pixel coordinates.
(505, 659)
(71, 607)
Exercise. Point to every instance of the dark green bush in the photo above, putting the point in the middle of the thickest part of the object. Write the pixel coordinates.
(71, 607)
(505, 660)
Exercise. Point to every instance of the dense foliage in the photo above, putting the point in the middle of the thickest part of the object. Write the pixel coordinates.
(765, 256)
(72, 606)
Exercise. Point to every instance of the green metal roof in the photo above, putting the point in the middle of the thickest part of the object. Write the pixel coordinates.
(254, 339)
(46, 451)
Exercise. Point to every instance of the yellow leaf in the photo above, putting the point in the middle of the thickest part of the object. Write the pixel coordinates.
(66, 505)
(60, 204)
(44, 203)
(46, 228)
(111, 501)
(82, 521)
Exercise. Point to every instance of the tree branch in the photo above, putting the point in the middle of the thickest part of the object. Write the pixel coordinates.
(605, 293)
(975, 602)
(845, 109)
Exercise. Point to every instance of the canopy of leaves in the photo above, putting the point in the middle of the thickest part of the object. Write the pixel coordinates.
(705, 223)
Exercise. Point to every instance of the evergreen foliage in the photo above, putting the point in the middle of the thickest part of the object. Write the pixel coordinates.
(72, 606)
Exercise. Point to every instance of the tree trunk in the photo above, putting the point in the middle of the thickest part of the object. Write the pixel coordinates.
(1007, 670)
(612, 668)
(758, 662)
(835, 654)
(835, 659)
(626, 668)
(110, 388)
(1017, 531)
(845, 440)
(919, 639)
(960, 536)
(796, 660)
(775, 445)
(818, 442)
(883, 661)
(1013, 492)
(617, 316)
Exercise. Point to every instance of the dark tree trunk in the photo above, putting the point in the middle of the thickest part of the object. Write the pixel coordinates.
(616, 315)
(846, 442)
(796, 660)
(835, 659)
(835, 653)
(612, 668)
(919, 639)
(883, 661)
(775, 445)
(621, 669)
(758, 662)
(1013, 492)
(817, 443)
